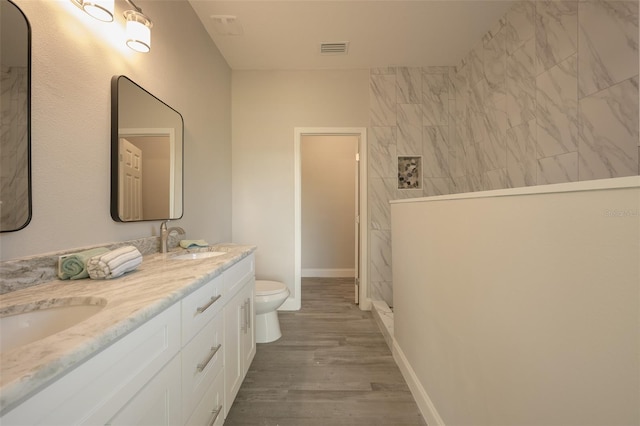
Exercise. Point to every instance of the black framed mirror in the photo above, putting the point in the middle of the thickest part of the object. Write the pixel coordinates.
(15, 132)
(147, 147)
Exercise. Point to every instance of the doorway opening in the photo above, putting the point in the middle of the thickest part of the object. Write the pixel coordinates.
(359, 220)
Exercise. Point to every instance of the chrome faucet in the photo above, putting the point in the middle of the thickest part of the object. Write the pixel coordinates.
(164, 235)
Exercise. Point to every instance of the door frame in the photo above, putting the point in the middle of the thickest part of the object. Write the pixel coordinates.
(294, 303)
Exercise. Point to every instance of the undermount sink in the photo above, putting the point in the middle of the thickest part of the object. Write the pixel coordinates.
(198, 255)
(21, 325)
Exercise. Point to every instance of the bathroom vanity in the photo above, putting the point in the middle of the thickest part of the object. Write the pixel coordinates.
(171, 346)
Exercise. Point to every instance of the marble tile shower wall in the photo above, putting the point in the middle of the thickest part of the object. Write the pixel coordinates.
(549, 95)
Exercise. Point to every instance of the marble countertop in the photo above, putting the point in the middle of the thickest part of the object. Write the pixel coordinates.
(131, 300)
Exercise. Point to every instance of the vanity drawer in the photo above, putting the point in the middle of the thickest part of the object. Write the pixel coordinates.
(237, 275)
(200, 307)
(202, 361)
(210, 406)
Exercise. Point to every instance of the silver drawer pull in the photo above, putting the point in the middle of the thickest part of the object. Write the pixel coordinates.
(204, 363)
(243, 318)
(201, 309)
(215, 415)
(248, 302)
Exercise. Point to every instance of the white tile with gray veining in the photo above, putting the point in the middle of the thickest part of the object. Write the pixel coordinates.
(459, 184)
(380, 269)
(609, 132)
(435, 99)
(409, 136)
(558, 169)
(408, 85)
(604, 24)
(521, 155)
(435, 150)
(381, 290)
(131, 300)
(520, 25)
(557, 109)
(382, 152)
(556, 32)
(381, 191)
(437, 186)
(473, 61)
(495, 127)
(521, 84)
(382, 100)
(494, 179)
(494, 62)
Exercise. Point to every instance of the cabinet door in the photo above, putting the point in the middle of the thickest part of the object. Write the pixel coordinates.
(234, 331)
(158, 403)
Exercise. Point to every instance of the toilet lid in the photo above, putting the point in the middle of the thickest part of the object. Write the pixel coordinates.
(269, 287)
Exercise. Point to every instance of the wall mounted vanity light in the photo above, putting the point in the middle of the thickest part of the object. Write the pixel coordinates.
(138, 29)
(138, 25)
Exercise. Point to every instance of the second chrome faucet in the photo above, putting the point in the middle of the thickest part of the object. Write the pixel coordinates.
(164, 234)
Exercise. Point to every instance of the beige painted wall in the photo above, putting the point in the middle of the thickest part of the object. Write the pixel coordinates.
(267, 106)
(522, 309)
(74, 58)
(328, 169)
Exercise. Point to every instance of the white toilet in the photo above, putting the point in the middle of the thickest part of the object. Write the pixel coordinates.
(270, 295)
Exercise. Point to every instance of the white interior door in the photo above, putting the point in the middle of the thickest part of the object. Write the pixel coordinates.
(130, 190)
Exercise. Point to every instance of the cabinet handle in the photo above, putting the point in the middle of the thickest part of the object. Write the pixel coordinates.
(203, 308)
(204, 363)
(243, 325)
(215, 415)
(248, 302)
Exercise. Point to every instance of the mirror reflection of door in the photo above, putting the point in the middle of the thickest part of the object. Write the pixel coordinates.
(152, 198)
(130, 181)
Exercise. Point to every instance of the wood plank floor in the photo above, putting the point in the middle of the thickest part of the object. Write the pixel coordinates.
(330, 367)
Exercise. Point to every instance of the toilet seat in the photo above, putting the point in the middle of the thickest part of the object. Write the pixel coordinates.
(267, 288)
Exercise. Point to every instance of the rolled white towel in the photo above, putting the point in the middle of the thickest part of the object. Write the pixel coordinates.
(114, 263)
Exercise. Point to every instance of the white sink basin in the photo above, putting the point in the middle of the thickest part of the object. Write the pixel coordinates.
(17, 329)
(198, 255)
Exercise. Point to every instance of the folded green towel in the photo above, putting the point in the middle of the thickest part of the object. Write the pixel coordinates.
(74, 266)
(193, 243)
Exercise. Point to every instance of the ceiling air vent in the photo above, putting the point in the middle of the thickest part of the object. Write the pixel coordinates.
(336, 48)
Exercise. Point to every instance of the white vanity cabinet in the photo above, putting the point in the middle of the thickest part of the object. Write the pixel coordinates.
(116, 379)
(172, 370)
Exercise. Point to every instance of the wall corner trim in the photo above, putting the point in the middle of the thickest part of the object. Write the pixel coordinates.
(425, 405)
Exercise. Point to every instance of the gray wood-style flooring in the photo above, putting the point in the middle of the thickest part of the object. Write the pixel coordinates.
(330, 367)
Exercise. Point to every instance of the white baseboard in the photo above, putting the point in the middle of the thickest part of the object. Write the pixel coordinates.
(425, 405)
(328, 273)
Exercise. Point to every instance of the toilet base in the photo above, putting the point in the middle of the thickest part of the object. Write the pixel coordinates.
(267, 327)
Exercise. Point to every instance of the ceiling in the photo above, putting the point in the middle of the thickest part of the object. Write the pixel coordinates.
(285, 35)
